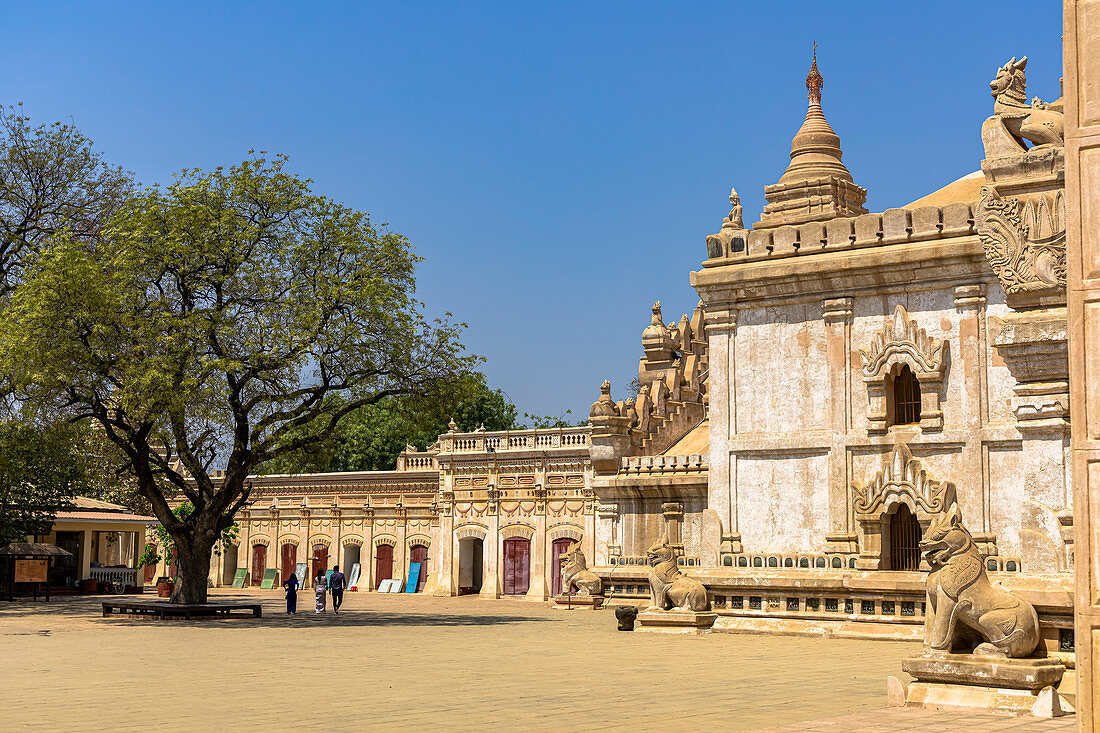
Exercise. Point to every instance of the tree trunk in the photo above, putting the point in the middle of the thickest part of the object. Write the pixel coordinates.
(194, 570)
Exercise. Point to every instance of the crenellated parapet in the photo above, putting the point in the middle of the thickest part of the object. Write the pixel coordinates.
(893, 226)
(671, 398)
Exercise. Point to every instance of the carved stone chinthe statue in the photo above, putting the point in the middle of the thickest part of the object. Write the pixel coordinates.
(962, 608)
(575, 572)
(1014, 119)
(963, 604)
(671, 590)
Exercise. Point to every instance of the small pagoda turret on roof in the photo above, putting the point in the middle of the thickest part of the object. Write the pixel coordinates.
(816, 185)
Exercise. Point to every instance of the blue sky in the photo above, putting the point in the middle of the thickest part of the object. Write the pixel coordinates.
(557, 165)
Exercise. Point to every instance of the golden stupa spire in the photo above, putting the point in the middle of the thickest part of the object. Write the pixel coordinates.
(814, 80)
(816, 185)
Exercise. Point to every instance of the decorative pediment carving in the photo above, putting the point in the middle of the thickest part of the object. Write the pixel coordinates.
(902, 480)
(901, 339)
(1024, 239)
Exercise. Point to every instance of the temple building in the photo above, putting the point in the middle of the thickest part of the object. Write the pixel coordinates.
(846, 377)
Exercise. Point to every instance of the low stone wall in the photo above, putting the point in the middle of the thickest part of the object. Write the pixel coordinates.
(877, 604)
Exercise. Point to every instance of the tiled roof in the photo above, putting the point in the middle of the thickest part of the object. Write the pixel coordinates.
(91, 516)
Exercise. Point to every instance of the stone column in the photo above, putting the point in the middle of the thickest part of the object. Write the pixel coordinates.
(539, 588)
(244, 552)
(336, 552)
(401, 551)
(1081, 46)
(970, 303)
(721, 328)
(443, 582)
(490, 573)
(837, 315)
(367, 570)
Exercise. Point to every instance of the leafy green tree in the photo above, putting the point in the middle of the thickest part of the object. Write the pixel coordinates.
(40, 472)
(371, 438)
(231, 318)
(51, 180)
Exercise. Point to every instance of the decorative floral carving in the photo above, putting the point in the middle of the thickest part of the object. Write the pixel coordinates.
(1025, 241)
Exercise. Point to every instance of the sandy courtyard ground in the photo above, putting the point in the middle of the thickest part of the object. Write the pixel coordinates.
(413, 662)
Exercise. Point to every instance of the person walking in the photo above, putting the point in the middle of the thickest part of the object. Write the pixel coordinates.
(319, 590)
(336, 583)
(290, 585)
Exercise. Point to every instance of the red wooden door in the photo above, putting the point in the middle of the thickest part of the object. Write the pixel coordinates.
(517, 566)
(259, 563)
(560, 547)
(419, 553)
(320, 560)
(289, 560)
(383, 564)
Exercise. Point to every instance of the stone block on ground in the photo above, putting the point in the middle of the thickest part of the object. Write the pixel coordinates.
(677, 622)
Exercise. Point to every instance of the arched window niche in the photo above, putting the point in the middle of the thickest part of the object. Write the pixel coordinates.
(904, 369)
(894, 510)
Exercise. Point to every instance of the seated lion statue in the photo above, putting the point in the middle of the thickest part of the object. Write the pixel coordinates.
(575, 572)
(963, 607)
(670, 589)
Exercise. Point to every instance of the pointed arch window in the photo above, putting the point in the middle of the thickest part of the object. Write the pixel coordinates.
(905, 397)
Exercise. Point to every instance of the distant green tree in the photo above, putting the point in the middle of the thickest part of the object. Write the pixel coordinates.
(371, 438)
(40, 472)
(538, 422)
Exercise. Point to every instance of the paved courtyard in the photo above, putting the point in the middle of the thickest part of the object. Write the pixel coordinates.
(414, 662)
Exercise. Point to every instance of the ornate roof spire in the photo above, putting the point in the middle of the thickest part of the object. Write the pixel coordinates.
(816, 185)
(814, 80)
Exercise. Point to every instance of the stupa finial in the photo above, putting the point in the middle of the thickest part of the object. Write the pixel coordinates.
(814, 80)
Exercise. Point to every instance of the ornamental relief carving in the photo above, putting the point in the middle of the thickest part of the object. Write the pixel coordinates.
(901, 339)
(1024, 240)
(902, 480)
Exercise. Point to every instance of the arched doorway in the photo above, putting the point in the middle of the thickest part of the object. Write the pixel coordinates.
(320, 560)
(383, 564)
(259, 563)
(904, 536)
(288, 560)
(419, 554)
(229, 564)
(352, 553)
(517, 566)
(471, 557)
(560, 547)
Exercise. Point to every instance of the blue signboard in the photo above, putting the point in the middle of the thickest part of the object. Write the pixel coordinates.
(414, 576)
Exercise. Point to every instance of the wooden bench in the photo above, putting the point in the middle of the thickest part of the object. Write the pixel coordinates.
(162, 609)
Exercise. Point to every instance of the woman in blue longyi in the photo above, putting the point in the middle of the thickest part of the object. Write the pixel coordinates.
(291, 587)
